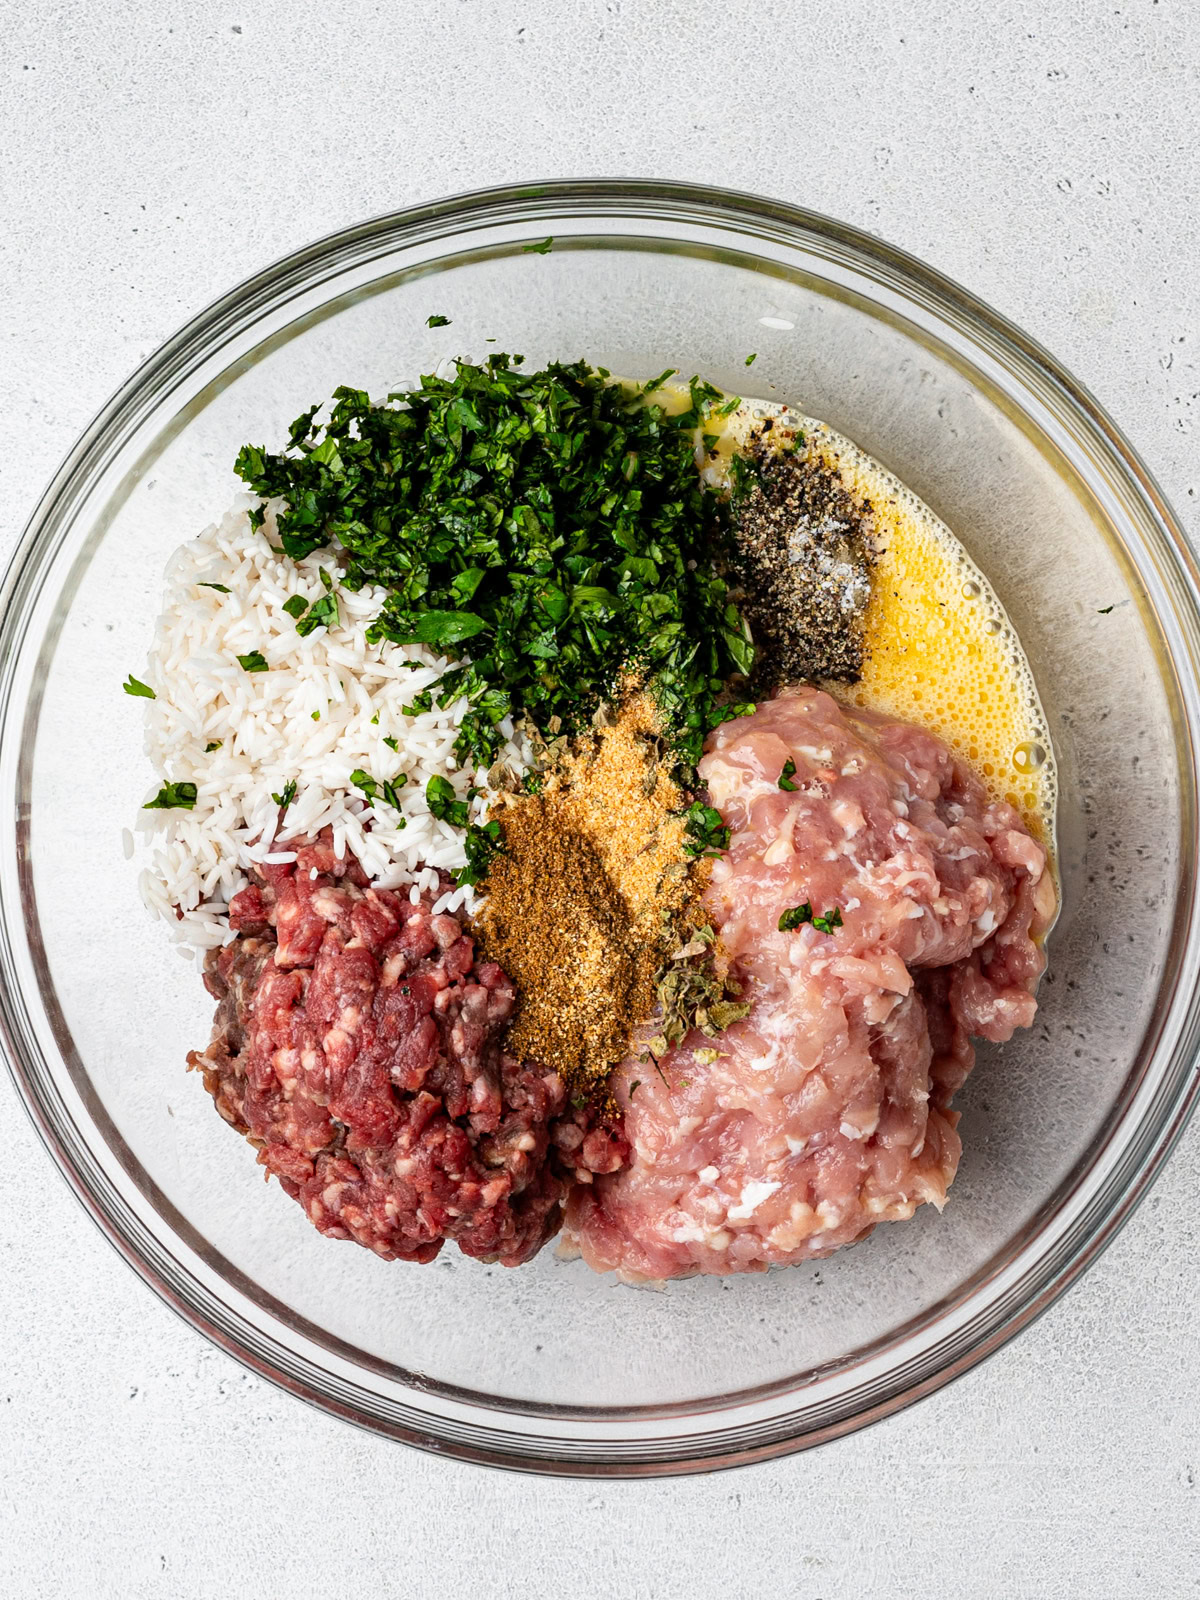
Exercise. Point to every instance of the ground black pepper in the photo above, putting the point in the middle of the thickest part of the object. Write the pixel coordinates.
(803, 552)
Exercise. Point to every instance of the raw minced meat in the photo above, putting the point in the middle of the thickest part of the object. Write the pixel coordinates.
(358, 1045)
(827, 1110)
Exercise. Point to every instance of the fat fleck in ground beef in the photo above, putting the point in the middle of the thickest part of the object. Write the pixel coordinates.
(357, 1044)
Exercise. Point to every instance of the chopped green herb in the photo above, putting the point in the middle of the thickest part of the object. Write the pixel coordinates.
(214, 745)
(437, 322)
(296, 605)
(444, 804)
(420, 703)
(172, 797)
(392, 744)
(751, 359)
(786, 776)
(323, 613)
(316, 716)
(707, 835)
(219, 587)
(656, 383)
(1102, 611)
(135, 686)
(796, 917)
(391, 788)
(532, 783)
(744, 708)
(799, 915)
(481, 844)
(254, 661)
(364, 781)
(289, 794)
(542, 249)
(531, 524)
(634, 1087)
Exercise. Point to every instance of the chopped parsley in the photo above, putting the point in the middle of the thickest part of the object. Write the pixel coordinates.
(437, 322)
(1102, 611)
(707, 835)
(542, 249)
(321, 613)
(444, 804)
(786, 776)
(797, 916)
(214, 744)
(221, 588)
(548, 529)
(287, 796)
(254, 661)
(751, 359)
(173, 797)
(392, 744)
(729, 713)
(135, 686)
(481, 844)
(634, 1087)
(390, 788)
(386, 789)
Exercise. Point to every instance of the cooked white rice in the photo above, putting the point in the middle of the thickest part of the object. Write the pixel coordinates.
(325, 708)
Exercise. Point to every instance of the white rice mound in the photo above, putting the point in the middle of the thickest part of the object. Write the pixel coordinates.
(324, 708)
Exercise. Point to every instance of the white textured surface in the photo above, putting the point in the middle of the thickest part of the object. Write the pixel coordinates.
(151, 154)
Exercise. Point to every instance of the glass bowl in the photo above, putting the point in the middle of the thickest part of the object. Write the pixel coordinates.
(550, 1368)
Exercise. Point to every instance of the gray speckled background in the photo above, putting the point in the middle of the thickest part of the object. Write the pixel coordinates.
(1045, 153)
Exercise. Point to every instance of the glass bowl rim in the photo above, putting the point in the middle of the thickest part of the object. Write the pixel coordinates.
(639, 201)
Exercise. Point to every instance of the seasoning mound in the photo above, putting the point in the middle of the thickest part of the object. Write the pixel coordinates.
(803, 553)
(592, 896)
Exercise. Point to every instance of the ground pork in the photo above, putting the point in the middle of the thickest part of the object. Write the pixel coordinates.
(827, 1110)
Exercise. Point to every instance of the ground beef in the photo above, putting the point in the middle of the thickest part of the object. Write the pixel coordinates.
(357, 1044)
(827, 1110)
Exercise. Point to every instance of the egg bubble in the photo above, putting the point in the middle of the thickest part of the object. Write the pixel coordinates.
(1029, 756)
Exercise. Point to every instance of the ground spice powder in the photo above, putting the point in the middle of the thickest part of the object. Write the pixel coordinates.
(803, 554)
(590, 897)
